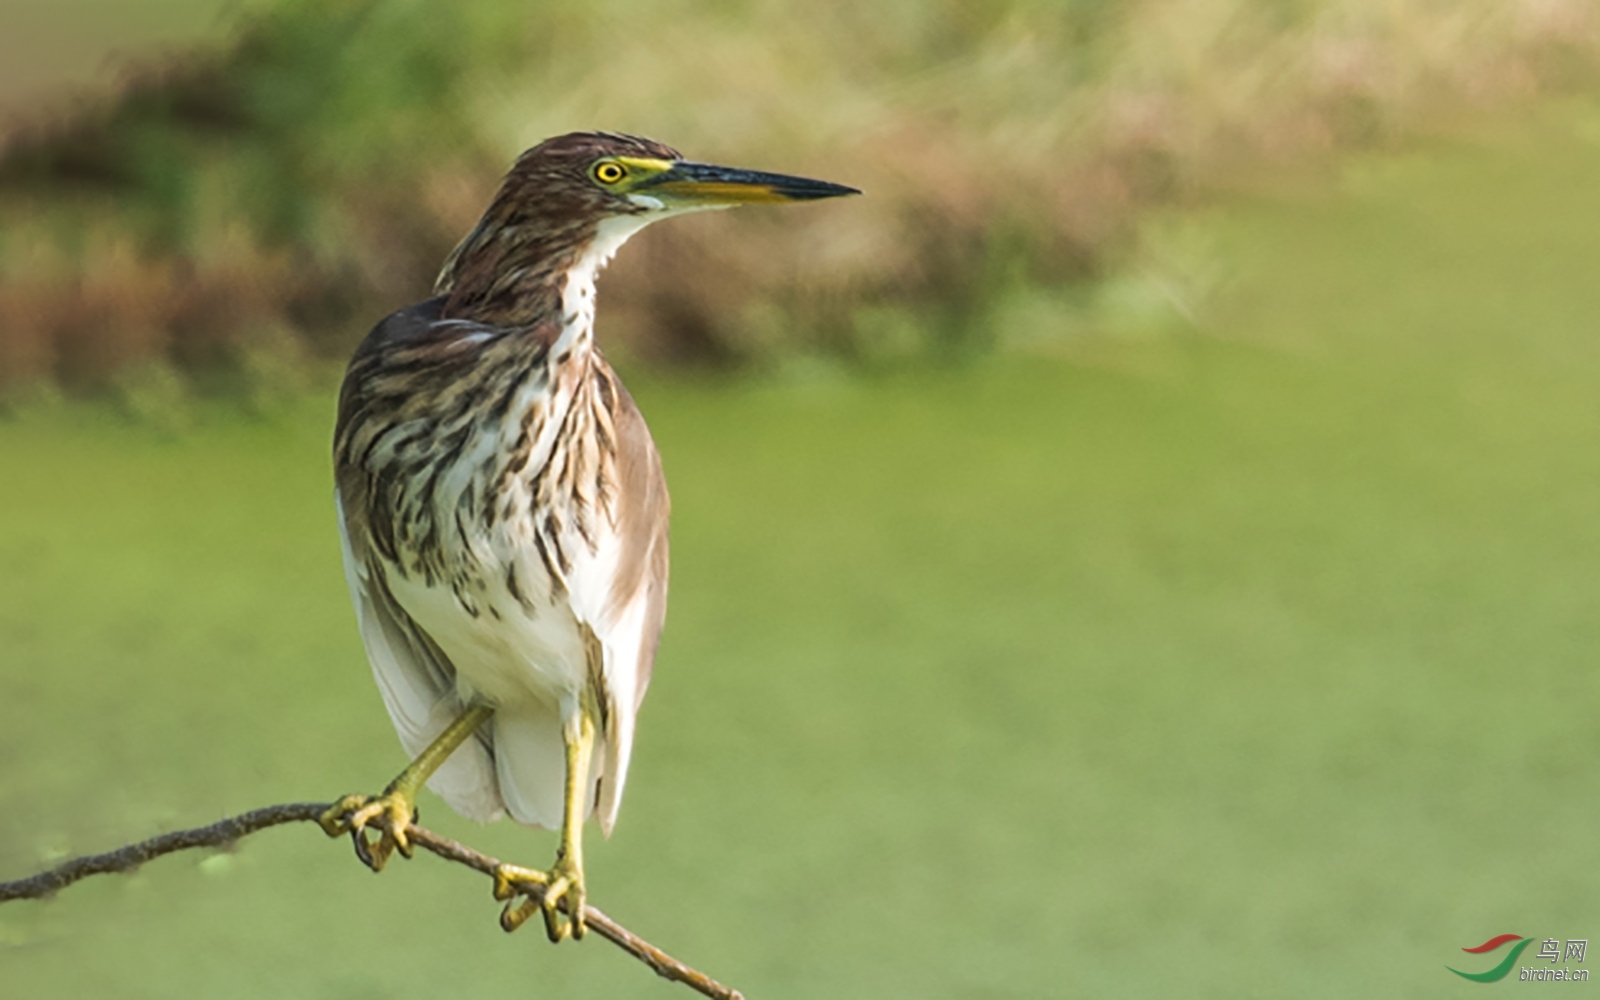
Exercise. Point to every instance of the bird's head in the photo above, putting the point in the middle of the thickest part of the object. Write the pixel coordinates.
(570, 202)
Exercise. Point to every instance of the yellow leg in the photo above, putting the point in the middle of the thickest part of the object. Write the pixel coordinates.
(393, 811)
(562, 888)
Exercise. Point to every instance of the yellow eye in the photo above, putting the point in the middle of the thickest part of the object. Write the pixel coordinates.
(609, 173)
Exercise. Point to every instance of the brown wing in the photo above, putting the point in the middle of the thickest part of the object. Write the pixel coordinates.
(636, 605)
(643, 510)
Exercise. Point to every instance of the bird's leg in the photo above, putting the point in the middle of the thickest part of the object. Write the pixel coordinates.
(562, 887)
(566, 878)
(393, 811)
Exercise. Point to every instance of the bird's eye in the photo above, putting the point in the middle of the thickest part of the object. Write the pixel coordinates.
(609, 173)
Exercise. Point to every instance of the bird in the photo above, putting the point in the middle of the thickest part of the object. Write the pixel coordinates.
(503, 513)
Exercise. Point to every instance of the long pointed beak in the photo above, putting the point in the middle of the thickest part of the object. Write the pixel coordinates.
(708, 185)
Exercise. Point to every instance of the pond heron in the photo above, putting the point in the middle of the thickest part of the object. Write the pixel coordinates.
(504, 514)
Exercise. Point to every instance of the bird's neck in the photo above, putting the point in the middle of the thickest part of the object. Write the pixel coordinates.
(527, 275)
(508, 275)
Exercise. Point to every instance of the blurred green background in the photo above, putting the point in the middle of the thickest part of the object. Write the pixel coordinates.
(1198, 600)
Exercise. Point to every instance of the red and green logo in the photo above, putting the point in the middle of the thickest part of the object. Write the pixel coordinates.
(1500, 971)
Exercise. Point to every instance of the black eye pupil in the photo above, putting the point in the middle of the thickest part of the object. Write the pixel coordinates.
(610, 172)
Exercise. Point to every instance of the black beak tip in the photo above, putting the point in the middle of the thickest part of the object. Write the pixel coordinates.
(809, 190)
(841, 191)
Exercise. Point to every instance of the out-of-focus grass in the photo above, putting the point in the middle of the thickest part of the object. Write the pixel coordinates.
(1257, 664)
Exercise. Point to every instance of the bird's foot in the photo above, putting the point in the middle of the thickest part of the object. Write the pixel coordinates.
(558, 894)
(391, 814)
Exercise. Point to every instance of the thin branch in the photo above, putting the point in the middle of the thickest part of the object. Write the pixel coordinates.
(225, 832)
(132, 856)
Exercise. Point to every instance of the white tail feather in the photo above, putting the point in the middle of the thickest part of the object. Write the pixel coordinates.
(530, 757)
(466, 780)
(615, 750)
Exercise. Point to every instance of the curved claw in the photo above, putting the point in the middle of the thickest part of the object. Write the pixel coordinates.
(513, 917)
(565, 893)
(391, 813)
(335, 821)
(511, 881)
(554, 927)
(553, 894)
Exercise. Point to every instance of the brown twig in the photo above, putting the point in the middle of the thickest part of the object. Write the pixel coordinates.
(225, 832)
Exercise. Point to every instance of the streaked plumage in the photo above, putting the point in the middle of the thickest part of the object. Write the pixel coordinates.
(502, 504)
(504, 511)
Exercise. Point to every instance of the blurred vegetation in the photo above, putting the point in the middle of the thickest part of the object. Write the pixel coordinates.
(49, 48)
(236, 213)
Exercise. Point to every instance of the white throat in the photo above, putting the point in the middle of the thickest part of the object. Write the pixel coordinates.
(577, 297)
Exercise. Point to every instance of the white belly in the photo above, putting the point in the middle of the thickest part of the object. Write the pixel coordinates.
(507, 653)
